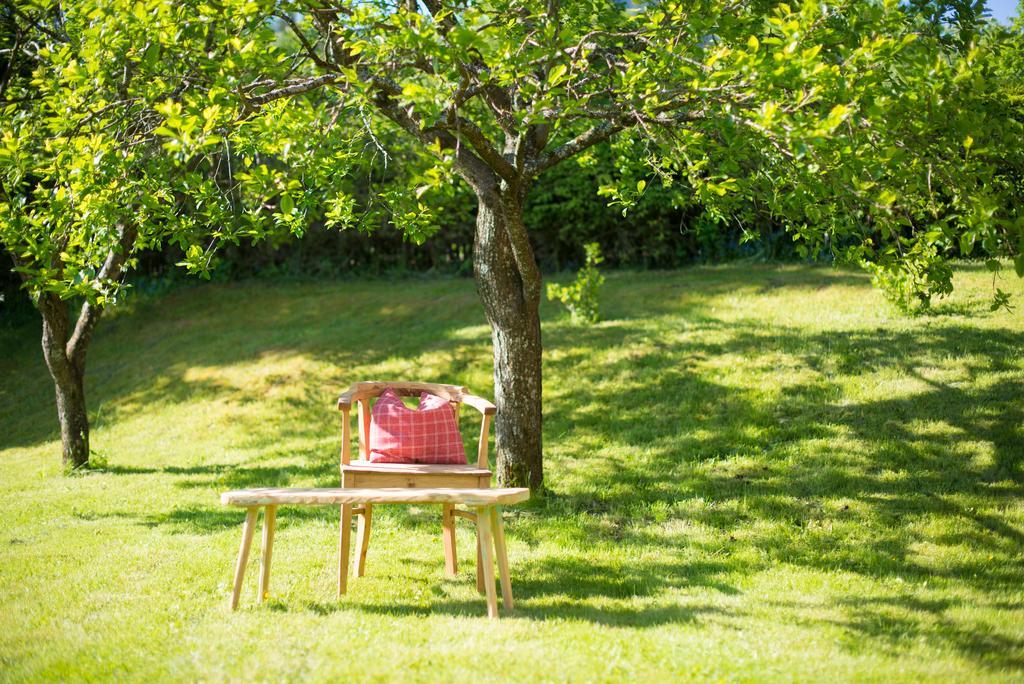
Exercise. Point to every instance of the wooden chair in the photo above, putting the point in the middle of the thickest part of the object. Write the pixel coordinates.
(364, 474)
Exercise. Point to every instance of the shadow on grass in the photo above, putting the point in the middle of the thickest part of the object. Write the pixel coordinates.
(560, 589)
(895, 620)
(204, 520)
(611, 616)
(226, 477)
(209, 520)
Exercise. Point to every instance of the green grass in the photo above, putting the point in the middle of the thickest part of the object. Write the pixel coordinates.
(756, 473)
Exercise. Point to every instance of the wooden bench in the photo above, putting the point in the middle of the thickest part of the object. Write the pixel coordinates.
(487, 503)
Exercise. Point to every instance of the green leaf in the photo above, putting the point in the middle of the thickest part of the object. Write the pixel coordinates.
(837, 115)
(556, 73)
(465, 38)
(287, 204)
(149, 57)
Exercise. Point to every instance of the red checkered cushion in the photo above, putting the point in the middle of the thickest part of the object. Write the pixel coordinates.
(399, 434)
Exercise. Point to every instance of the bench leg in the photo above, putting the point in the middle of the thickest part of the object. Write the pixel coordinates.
(363, 539)
(498, 529)
(343, 547)
(451, 563)
(269, 518)
(483, 527)
(243, 553)
(479, 565)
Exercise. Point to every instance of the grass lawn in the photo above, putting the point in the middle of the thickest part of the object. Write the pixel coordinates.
(755, 473)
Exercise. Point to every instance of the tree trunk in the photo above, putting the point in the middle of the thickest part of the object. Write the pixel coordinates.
(511, 297)
(64, 349)
(68, 374)
(74, 421)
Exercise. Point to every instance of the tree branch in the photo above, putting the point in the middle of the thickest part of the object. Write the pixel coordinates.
(472, 133)
(522, 253)
(309, 48)
(474, 169)
(592, 136)
(497, 99)
(90, 315)
(297, 88)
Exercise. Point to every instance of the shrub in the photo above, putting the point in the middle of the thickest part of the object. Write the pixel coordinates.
(580, 296)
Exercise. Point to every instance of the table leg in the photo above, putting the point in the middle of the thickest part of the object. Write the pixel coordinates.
(269, 519)
(483, 526)
(243, 553)
(498, 529)
(343, 547)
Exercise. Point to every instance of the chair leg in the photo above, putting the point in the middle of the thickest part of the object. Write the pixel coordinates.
(363, 539)
(243, 553)
(269, 519)
(501, 552)
(483, 526)
(343, 547)
(451, 563)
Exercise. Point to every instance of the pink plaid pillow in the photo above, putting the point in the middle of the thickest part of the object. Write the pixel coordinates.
(399, 434)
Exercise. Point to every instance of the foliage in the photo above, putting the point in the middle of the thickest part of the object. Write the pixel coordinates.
(563, 211)
(911, 288)
(988, 99)
(77, 142)
(863, 128)
(581, 296)
(755, 458)
(106, 125)
(808, 116)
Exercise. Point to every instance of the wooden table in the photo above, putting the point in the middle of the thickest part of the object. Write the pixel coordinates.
(487, 502)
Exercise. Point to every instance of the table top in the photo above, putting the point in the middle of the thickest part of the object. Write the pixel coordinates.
(334, 496)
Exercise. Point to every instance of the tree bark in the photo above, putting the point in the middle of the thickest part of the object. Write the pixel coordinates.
(508, 283)
(74, 421)
(68, 380)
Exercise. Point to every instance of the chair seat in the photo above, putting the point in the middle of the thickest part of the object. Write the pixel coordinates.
(366, 474)
(416, 469)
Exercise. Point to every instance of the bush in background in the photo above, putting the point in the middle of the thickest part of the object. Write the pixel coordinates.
(581, 296)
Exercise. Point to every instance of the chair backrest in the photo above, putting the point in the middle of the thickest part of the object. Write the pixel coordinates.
(365, 392)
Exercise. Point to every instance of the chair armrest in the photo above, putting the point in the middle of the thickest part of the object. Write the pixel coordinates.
(480, 404)
(355, 393)
(346, 399)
